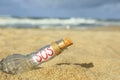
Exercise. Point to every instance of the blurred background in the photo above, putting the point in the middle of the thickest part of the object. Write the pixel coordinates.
(93, 26)
(80, 14)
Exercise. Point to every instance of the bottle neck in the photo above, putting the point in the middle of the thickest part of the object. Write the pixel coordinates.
(56, 48)
(61, 44)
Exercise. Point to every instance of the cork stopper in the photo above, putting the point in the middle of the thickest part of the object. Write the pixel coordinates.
(67, 42)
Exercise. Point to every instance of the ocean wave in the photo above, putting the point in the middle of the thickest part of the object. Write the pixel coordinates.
(54, 22)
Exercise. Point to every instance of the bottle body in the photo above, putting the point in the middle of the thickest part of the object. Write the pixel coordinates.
(18, 63)
(44, 54)
(15, 63)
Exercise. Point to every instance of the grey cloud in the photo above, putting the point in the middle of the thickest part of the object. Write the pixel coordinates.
(87, 3)
(57, 3)
(58, 8)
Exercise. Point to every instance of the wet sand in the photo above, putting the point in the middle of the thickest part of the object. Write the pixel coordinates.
(95, 54)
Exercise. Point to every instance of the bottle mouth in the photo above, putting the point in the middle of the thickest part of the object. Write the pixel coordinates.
(61, 44)
(64, 43)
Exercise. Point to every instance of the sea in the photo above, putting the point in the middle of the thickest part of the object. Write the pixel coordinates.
(55, 23)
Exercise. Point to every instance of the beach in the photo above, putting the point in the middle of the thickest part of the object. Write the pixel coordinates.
(94, 55)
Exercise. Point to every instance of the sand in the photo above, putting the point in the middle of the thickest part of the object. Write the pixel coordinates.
(95, 54)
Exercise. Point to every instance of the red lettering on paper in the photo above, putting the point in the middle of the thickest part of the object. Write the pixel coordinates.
(44, 54)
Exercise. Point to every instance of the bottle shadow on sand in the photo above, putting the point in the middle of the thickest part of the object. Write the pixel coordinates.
(85, 65)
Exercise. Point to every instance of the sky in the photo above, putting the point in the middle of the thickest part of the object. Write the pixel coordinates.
(103, 9)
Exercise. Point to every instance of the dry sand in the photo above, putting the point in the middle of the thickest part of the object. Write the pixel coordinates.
(95, 54)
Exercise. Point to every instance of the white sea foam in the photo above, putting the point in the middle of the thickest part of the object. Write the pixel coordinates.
(54, 22)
